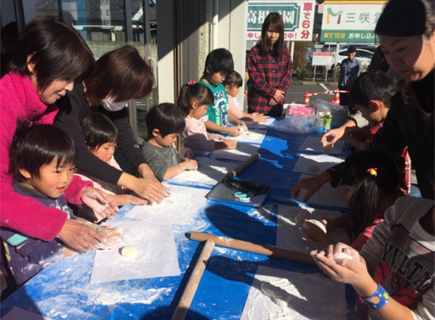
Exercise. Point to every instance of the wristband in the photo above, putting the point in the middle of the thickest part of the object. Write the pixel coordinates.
(378, 299)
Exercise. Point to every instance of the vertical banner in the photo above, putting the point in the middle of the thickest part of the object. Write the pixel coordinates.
(350, 21)
(298, 16)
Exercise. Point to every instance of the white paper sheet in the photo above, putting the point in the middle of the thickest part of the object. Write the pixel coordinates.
(313, 144)
(20, 314)
(252, 136)
(209, 172)
(289, 234)
(177, 209)
(279, 294)
(307, 163)
(242, 153)
(156, 257)
(327, 195)
(260, 125)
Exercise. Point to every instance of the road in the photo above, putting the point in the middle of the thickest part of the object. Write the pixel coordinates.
(297, 91)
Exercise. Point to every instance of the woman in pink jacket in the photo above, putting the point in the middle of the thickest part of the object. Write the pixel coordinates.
(47, 57)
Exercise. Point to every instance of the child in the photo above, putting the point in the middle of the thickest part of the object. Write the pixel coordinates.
(232, 84)
(409, 46)
(371, 179)
(42, 159)
(165, 122)
(193, 101)
(218, 64)
(397, 262)
(270, 69)
(371, 94)
(101, 136)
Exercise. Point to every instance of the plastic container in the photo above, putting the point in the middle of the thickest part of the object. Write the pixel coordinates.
(339, 113)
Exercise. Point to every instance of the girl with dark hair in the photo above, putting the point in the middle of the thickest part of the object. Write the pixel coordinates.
(120, 75)
(101, 136)
(371, 178)
(232, 84)
(269, 68)
(165, 122)
(193, 101)
(48, 57)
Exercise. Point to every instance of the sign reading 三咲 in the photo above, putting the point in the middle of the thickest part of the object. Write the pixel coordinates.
(350, 21)
(298, 16)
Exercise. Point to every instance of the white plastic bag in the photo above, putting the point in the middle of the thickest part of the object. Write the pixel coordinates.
(300, 124)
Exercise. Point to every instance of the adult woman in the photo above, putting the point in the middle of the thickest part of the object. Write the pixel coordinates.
(120, 75)
(47, 57)
(269, 68)
(409, 47)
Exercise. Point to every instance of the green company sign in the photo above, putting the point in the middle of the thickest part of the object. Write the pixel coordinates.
(258, 11)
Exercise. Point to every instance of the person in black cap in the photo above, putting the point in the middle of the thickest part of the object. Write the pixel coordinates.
(349, 71)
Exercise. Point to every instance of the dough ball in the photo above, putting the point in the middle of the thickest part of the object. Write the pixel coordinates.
(327, 147)
(338, 257)
(317, 223)
(129, 252)
(313, 168)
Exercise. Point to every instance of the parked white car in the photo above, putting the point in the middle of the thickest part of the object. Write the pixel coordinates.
(363, 55)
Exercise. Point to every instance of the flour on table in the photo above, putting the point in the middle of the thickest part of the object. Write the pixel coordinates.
(280, 294)
(317, 223)
(177, 209)
(290, 221)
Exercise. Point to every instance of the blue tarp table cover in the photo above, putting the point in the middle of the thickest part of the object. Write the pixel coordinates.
(62, 290)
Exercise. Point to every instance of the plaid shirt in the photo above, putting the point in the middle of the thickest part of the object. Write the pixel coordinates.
(266, 75)
(403, 162)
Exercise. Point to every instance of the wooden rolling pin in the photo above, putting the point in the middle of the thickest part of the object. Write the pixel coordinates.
(189, 292)
(267, 250)
(242, 166)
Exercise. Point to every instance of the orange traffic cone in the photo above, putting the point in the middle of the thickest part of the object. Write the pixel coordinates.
(336, 99)
(306, 98)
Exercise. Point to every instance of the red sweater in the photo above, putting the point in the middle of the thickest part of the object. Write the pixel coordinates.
(20, 103)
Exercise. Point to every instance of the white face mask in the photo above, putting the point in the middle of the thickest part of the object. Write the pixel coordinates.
(110, 105)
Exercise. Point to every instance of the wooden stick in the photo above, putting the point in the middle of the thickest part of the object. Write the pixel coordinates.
(242, 166)
(267, 250)
(188, 293)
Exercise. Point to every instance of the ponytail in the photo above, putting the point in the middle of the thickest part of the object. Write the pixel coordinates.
(191, 92)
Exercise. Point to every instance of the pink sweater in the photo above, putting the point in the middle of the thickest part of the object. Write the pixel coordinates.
(20, 103)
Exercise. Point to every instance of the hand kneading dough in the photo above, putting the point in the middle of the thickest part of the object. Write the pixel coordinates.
(129, 252)
(313, 168)
(340, 256)
(327, 147)
(317, 223)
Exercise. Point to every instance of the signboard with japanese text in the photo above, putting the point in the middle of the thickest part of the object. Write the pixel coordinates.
(350, 21)
(322, 59)
(298, 16)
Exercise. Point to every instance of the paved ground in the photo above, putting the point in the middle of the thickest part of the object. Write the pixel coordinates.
(297, 91)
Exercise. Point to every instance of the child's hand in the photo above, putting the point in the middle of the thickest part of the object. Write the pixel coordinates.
(259, 117)
(102, 205)
(191, 164)
(313, 232)
(231, 144)
(234, 131)
(218, 137)
(136, 200)
(347, 271)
